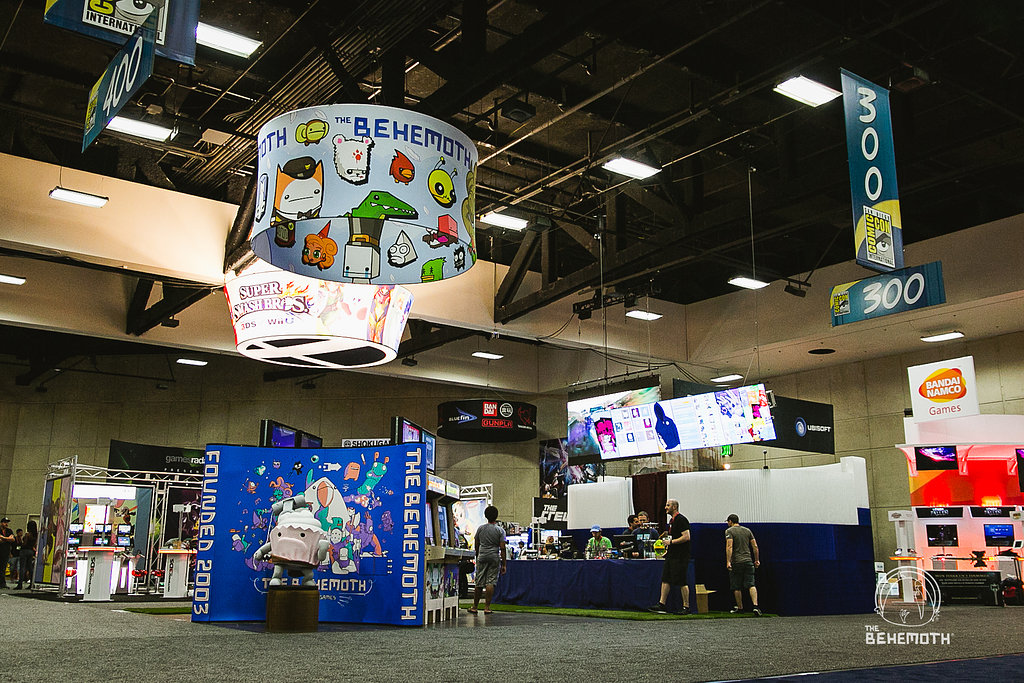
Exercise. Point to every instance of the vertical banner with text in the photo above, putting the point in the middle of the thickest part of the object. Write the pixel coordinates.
(878, 227)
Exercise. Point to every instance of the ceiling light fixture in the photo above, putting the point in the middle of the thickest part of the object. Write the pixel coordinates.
(747, 283)
(139, 129)
(75, 197)
(944, 336)
(628, 167)
(488, 356)
(727, 378)
(225, 41)
(190, 361)
(11, 279)
(503, 221)
(643, 315)
(807, 91)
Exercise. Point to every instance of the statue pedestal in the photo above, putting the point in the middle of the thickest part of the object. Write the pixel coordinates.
(293, 609)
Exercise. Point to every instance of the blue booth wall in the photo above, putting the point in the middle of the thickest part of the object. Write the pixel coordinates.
(371, 503)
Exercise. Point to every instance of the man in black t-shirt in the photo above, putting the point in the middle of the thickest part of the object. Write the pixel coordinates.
(677, 559)
(7, 544)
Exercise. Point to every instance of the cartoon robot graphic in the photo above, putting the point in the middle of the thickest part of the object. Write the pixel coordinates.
(311, 132)
(299, 194)
(433, 270)
(320, 249)
(447, 233)
(365, 223)
(297, 542)
(402, 169)
(352, 158)
(402, 252)
(441, 185)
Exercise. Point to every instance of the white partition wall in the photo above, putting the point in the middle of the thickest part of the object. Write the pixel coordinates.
(606, 503)
(826, 494)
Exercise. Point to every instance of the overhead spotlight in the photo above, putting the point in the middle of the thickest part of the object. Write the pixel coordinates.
(170, 322)
(584, 315)
(488, 356)
(504, 221)
(410, 362)
(807, 91)
(795, 290)
(192, 361)
(518, 110)
(628, 167)
(63, 194)
(643, 315)
(944, 336)
(727, 378)
(139, 129)
(747, 282)
(629, 300)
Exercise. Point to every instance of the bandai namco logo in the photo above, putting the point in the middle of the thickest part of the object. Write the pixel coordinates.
(944, 385)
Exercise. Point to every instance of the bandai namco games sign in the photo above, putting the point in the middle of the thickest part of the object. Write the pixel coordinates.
(944, 389)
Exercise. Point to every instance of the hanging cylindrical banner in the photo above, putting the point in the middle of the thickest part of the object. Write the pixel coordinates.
(365, 194)
(283, 318)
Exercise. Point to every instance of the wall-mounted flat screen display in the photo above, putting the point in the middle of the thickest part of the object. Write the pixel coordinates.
(442, 523)
(124, 528)
(124, 541)
(935, 457)
(309, 441)
(939, 512)
(274, 434)
(998, 535)
(75, 528)
(942, 535)
(428, 524)
(731, 416)
(581, 413)
(406, 431)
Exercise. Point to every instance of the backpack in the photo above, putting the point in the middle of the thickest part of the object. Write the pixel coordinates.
(1012, 591)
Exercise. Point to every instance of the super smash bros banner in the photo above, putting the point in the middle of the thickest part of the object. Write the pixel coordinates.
(369, 501)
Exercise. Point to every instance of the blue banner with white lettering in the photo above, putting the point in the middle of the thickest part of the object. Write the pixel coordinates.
(369, 501)
(127, 71)
(903, 290)
(114, 20)
(878, 226)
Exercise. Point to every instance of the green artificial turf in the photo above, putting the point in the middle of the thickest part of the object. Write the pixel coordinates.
(160, 610)
(607, 613)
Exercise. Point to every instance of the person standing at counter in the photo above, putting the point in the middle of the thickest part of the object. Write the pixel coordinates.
(598, 544)
(7, 542)
(741, 559)
(490, 559)
(645, 534)
(677, 559)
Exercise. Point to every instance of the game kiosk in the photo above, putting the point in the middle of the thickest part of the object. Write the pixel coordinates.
(178, 569)
(441, 583)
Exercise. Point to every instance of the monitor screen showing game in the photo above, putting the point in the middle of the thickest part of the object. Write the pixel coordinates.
(581, 431)
(75, 528)
(100, 541)
(935, 457)
(998, 535)
(942, 535)
(442, 523)
(124, 541)
(274, 434)
(428, 524)
(74, 540)
(730, 416)
(406, 431)
(309, 441)
(124, 528)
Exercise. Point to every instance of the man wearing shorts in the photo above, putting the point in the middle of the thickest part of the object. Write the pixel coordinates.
(741, 558)
(490, 559)
(677, 559)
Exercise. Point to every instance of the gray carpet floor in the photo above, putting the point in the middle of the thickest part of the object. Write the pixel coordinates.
(48, 640)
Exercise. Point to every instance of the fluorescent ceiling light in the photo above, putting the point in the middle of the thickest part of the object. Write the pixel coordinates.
(104, 491)
(945, 336)
(225, 41)
(190, 361)
(488, 356)
(75, 197)
(503, 221)
(727, 378)
(747, 283)
(628, 167)
(803, 89)
(642, 315)
(139, 129)
(11, 279)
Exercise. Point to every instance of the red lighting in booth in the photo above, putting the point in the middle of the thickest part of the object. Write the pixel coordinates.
(991, 501)
(70, 571)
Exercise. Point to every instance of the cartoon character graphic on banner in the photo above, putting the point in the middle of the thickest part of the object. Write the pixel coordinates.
(297, 542)
(447, 233)
(311, 132)
(299, 194)
(441, 185)
(402, 252)
(261, 197)
(365, 223)
(134, 11)
(460, 258)
(402, 169)
(433, 270)
(378, 314)
(469, 211)
(352, 158)
(320, 249)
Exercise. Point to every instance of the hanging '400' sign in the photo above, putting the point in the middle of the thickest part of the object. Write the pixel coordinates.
(901, 290)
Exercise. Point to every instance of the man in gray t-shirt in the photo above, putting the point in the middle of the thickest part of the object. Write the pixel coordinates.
(490, 558)
(741, 558)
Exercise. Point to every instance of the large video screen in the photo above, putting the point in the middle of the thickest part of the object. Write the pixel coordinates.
(999, 535)
(583, 414)
(731, 416)
(935, 457)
